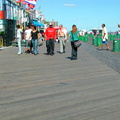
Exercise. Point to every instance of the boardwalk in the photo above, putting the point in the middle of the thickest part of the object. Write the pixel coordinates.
(55, 88)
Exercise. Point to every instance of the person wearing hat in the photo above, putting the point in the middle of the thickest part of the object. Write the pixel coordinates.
(50, 36)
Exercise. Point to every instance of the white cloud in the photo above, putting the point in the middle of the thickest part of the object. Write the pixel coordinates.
(69, 5)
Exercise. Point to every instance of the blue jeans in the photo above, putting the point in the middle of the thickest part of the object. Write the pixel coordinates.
(35, 46)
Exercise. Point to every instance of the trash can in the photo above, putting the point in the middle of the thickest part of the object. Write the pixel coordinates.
(86, 39)
(112, 37)
(95, 41)
(116, 45)
(118, 36)
(99, 41)
(80, 37)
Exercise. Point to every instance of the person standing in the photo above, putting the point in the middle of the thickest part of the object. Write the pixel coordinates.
(104, 38)
(50, 36)
(62, 36)
(19, 38)
(35, 35)
(27, 38)
(74, 34)
(94, 32)
(119, 27)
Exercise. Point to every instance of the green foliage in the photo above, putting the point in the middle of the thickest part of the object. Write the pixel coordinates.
(46, 22)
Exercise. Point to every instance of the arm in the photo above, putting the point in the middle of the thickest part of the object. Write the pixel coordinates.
(104, 35)
(45, 35)
(38, 35)
(68, 35)
(30, 37)
(65, 32)
(25, 35)
(55, 35)
(21, 32)
(58, 34)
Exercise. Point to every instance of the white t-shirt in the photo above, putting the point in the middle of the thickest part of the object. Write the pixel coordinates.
(28, 33)
(104, 30)
(19, 31)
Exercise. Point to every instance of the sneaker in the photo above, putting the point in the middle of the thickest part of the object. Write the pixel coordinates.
(52, 54)
(72, 58)
(19, 53)
(61, 52)
(47, 53)
(108, 49)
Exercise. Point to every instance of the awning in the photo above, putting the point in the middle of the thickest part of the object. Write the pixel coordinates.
(38, 24)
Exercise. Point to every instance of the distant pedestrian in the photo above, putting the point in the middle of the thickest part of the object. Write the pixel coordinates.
(50, 36)
(19, 38)
(119, 30)
(35, 35)
(27, 37)
(62, 36)
(104, 38)
(94, 32)
(119, 25)
(74, 34)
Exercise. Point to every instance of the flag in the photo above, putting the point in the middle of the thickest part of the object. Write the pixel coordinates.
(31, 2)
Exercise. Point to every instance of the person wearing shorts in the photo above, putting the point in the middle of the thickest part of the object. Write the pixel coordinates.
(104, 38)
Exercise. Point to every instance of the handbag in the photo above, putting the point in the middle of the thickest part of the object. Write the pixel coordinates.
(40, 42)
(77, 43)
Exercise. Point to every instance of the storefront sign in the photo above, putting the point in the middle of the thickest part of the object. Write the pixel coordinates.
(1, 14)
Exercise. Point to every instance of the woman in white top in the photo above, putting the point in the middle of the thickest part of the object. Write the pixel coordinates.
(19, 38)
(27, 38)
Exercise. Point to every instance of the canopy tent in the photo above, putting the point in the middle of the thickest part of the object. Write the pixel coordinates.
(38, 24)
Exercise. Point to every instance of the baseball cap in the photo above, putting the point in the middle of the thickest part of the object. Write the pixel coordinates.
(50, 24)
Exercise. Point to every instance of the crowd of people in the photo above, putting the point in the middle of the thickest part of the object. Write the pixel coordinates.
(32, 37)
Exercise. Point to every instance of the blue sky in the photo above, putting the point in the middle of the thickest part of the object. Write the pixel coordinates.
(86, 14)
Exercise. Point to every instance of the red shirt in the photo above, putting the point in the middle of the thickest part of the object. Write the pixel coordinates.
(50, 33)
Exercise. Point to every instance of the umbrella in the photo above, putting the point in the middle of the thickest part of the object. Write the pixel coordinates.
(38, 24)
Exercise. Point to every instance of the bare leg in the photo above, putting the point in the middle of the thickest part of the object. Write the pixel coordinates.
(101, 47)
(107, 46)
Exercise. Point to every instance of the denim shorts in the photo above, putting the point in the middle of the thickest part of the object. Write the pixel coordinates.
(105, 42)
